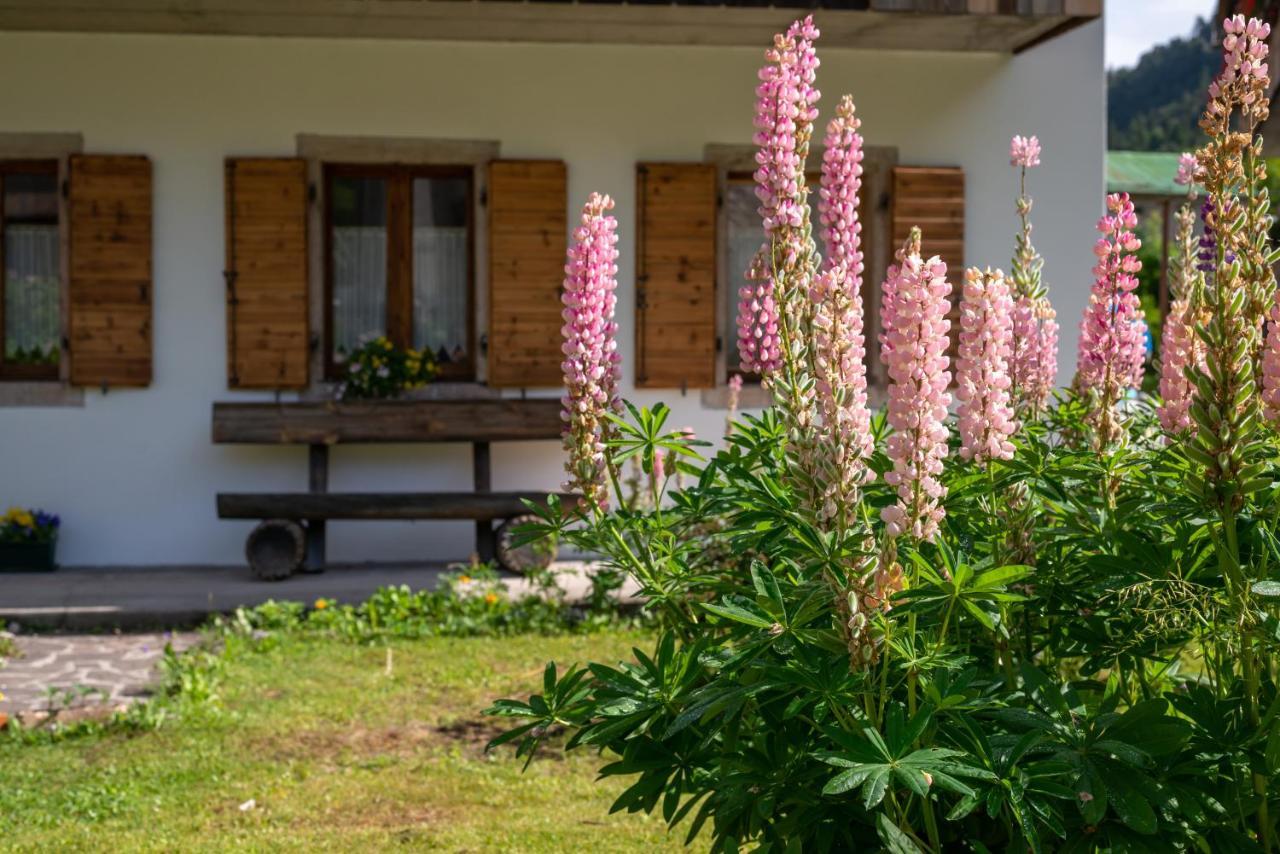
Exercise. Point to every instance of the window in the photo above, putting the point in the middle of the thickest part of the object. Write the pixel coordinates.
(744, 237)
(30, 289)
(399, 247)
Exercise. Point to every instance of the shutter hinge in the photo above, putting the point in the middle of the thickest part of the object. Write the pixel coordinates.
(312, 192)
(719, 201)
(484, 196)
(642, 298)
(230, 277)
(642, 169)
(719, 344)
(313, 342)
(66, 188)
(484, 345)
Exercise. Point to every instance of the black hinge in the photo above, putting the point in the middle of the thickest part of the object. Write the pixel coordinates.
(66, 189)
(642, 298)
(312, 192)
(484, 196)
(719, 344)
(230, 276)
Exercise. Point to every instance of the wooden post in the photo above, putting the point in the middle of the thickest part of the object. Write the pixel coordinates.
(318, 472)
(485, 541)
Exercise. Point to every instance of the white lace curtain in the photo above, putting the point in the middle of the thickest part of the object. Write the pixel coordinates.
(440, 286)
(32, 304)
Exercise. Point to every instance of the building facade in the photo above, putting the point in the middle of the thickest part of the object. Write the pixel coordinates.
(210, 206)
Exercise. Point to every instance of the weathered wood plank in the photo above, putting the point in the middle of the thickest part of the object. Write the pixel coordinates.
(528, 229)
(266, 259)
(109, 209)
(381, 505)
(676, 275)
(365, 422)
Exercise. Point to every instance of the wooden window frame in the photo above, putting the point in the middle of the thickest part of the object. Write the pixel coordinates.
(31, 373)
(399, 320)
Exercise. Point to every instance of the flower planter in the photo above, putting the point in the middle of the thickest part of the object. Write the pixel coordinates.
(28, 557)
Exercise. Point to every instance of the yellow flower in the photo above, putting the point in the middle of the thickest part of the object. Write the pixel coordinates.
(491, 598)
(321, 604)
(464, 579)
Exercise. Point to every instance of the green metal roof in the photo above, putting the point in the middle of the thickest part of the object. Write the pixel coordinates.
(1143, 173)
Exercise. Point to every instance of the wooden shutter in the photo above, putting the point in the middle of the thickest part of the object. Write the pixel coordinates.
(109, 210)
(675, 275)
(933, 198)
(528, 229)
(266, 273)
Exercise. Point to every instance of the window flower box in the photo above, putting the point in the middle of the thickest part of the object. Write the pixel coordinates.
(28, 557)
(28, 541)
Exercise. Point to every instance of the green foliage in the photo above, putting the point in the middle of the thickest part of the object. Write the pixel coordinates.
(1058, 673)
(1155, 106)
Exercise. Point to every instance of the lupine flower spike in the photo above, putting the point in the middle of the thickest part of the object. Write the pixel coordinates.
(844, 439)
(914, 349)
(592, 363)
(1033, 362)
(985, 416)
(786, 107)
(759, 344)
(1181, 349)
(1241, 290)
(1112, 332)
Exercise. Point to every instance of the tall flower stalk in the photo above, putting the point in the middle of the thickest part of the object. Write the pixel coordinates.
(985, 417)
(1181, 347)
(914, 349)
(592, 364)
(1033, 362)
(1112, 332)
(844, 441)
(1227, 410)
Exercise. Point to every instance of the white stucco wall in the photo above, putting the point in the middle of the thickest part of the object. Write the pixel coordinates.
(133, 472)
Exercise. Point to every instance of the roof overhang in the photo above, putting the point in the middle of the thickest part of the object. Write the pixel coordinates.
(966, 25)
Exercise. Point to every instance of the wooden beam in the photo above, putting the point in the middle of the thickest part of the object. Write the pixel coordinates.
(331, 423)
(928, 25)
(381, 505)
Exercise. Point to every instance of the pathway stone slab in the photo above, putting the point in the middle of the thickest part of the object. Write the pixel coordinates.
(84, 670)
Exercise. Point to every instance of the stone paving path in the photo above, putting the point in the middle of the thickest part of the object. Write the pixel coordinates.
(87, 670)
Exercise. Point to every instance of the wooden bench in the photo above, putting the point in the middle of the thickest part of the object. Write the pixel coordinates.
(292, 533)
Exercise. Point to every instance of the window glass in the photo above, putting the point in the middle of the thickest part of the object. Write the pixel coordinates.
(32, 296)
(441, 267)
(745, 237)
(358, 207)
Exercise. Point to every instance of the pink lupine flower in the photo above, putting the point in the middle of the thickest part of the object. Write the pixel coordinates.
(1180, 349)
(1186, 170)
(1271, 367)
(1033, 363)
(1024, 151)
(844, 440)
(914, 349)
(592, 364)
(838, 199)
(1043, 377)
(985, 417)
(759, 344)
(785, 110)
(1111, 348)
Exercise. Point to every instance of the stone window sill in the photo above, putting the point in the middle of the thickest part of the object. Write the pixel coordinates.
(39, 394)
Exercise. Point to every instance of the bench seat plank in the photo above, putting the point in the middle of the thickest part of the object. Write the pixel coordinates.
(380, 505)
(334, 422)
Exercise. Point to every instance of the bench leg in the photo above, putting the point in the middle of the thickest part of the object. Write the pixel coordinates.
(318, 481)
(485, 539)
(315, 546)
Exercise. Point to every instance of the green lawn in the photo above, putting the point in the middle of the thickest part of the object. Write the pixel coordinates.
(337, 755)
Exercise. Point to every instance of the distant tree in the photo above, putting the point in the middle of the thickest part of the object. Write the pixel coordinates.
(1155, 106)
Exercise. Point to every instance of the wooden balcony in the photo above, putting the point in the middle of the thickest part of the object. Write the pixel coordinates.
(999, 26)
